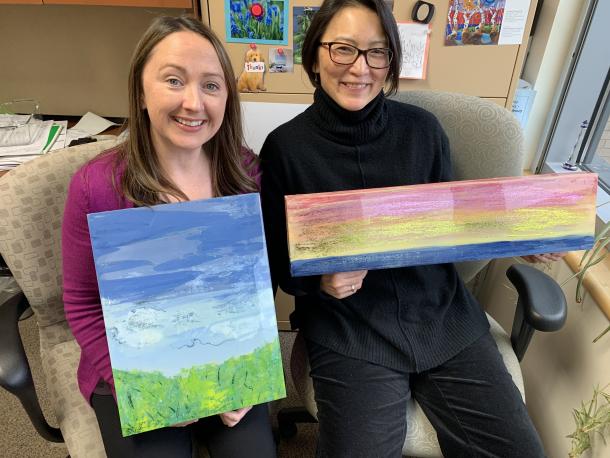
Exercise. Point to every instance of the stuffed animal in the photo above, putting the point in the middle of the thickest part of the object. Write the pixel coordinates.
(252, 81)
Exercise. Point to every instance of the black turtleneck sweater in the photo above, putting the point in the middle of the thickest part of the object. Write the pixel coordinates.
(411, 318)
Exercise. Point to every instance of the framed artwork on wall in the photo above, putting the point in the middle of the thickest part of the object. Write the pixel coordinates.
(256, 21)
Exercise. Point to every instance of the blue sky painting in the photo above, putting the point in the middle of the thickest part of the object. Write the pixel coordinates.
(184, 285)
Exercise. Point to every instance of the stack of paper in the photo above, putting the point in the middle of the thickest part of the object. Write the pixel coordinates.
(12, 156)
(51, 136)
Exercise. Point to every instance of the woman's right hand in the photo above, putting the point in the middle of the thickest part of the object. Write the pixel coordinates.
(233, 417)
(342, 284)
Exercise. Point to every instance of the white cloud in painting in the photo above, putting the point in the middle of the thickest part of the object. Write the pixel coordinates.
(241, 328)
(142, 327)
(186, 326)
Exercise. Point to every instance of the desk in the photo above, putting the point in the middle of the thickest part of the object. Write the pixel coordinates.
(72, 120)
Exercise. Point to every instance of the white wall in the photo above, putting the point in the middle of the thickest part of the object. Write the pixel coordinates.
(559, 369)
(262, 118)
(549, 54)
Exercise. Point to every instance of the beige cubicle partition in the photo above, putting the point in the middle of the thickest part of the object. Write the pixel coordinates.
(71, 58)
(485, 71)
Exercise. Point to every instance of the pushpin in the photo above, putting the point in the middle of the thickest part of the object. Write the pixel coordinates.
(257, 10)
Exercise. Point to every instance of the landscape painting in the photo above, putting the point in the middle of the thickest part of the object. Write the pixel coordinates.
(188, 309)
(440, 222)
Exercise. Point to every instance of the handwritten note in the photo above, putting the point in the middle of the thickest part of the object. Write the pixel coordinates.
(414, 41)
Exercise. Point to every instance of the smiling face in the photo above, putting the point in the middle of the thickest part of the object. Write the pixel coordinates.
(352, 86)
(184, 93)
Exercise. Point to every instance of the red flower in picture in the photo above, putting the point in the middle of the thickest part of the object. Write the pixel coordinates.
(257, 10)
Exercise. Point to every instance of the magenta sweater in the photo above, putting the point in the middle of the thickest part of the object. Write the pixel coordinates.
(91, 190)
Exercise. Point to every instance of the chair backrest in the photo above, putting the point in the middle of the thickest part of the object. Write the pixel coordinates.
(486, 141)
(32, 198)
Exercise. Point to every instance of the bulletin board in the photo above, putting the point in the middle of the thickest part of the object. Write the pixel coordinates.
(293, 87)
(490, 72)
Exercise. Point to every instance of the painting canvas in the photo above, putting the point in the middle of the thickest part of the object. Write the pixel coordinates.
(256, 21)
(188, 309)
(301, 20)
(280, 60)
(474, 22)
(440, 222)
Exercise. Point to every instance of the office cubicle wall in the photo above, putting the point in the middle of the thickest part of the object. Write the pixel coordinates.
(486, 71)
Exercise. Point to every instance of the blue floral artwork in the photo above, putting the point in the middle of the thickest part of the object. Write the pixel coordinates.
(256, 21)
(188, 309)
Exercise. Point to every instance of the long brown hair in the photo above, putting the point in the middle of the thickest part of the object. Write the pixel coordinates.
(144, 182)
(325, 14)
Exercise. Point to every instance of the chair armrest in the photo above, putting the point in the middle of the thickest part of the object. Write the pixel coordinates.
(541, 305)
(15, 373)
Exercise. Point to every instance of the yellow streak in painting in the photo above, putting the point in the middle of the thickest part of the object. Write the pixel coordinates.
(441, 229)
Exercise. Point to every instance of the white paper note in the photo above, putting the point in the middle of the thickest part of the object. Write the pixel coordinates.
(414, 42)
(513, 23)
(93, 124)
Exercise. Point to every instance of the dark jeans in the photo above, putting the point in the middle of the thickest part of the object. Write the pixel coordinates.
(471, 401)
(251, 437)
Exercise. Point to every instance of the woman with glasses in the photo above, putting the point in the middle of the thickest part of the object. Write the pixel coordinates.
(375, 338)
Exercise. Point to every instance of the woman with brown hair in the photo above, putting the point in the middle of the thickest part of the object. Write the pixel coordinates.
(184, 143)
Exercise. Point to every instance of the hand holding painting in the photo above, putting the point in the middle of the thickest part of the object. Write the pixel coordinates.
(342, 284)
(233, 417)
(545, 257)
(184, 147)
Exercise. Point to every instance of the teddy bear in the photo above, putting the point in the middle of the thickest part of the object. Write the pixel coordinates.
(250, 81)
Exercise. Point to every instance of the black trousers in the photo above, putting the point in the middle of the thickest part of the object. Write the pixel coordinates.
(471, 400)
(251, 437)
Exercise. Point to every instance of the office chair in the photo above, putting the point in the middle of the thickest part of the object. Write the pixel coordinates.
(486, 141)
(32, 200)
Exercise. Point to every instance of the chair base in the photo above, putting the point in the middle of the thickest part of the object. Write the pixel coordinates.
(288, 417)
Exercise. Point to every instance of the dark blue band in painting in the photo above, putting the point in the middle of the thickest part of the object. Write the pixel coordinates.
(437, 255)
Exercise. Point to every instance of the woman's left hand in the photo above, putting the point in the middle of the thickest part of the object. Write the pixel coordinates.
(184, 423)
(233, 417)
(545, 257)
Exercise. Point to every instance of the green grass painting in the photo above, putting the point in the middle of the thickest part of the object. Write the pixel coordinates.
(188, 309)
(150, 400)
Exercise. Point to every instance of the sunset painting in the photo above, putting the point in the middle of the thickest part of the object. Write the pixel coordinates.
(440, 222)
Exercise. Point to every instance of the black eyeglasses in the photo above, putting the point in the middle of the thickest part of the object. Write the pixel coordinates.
(346, 54)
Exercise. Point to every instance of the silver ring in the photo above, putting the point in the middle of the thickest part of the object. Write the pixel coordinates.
(353, 289)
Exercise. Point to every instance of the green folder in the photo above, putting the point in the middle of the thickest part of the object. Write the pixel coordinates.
(53, 134)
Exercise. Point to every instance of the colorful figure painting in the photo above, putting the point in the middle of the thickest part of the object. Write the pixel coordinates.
(256, 21)
(301, 20)
(474, 22)
(188, 309)
(440, 222)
